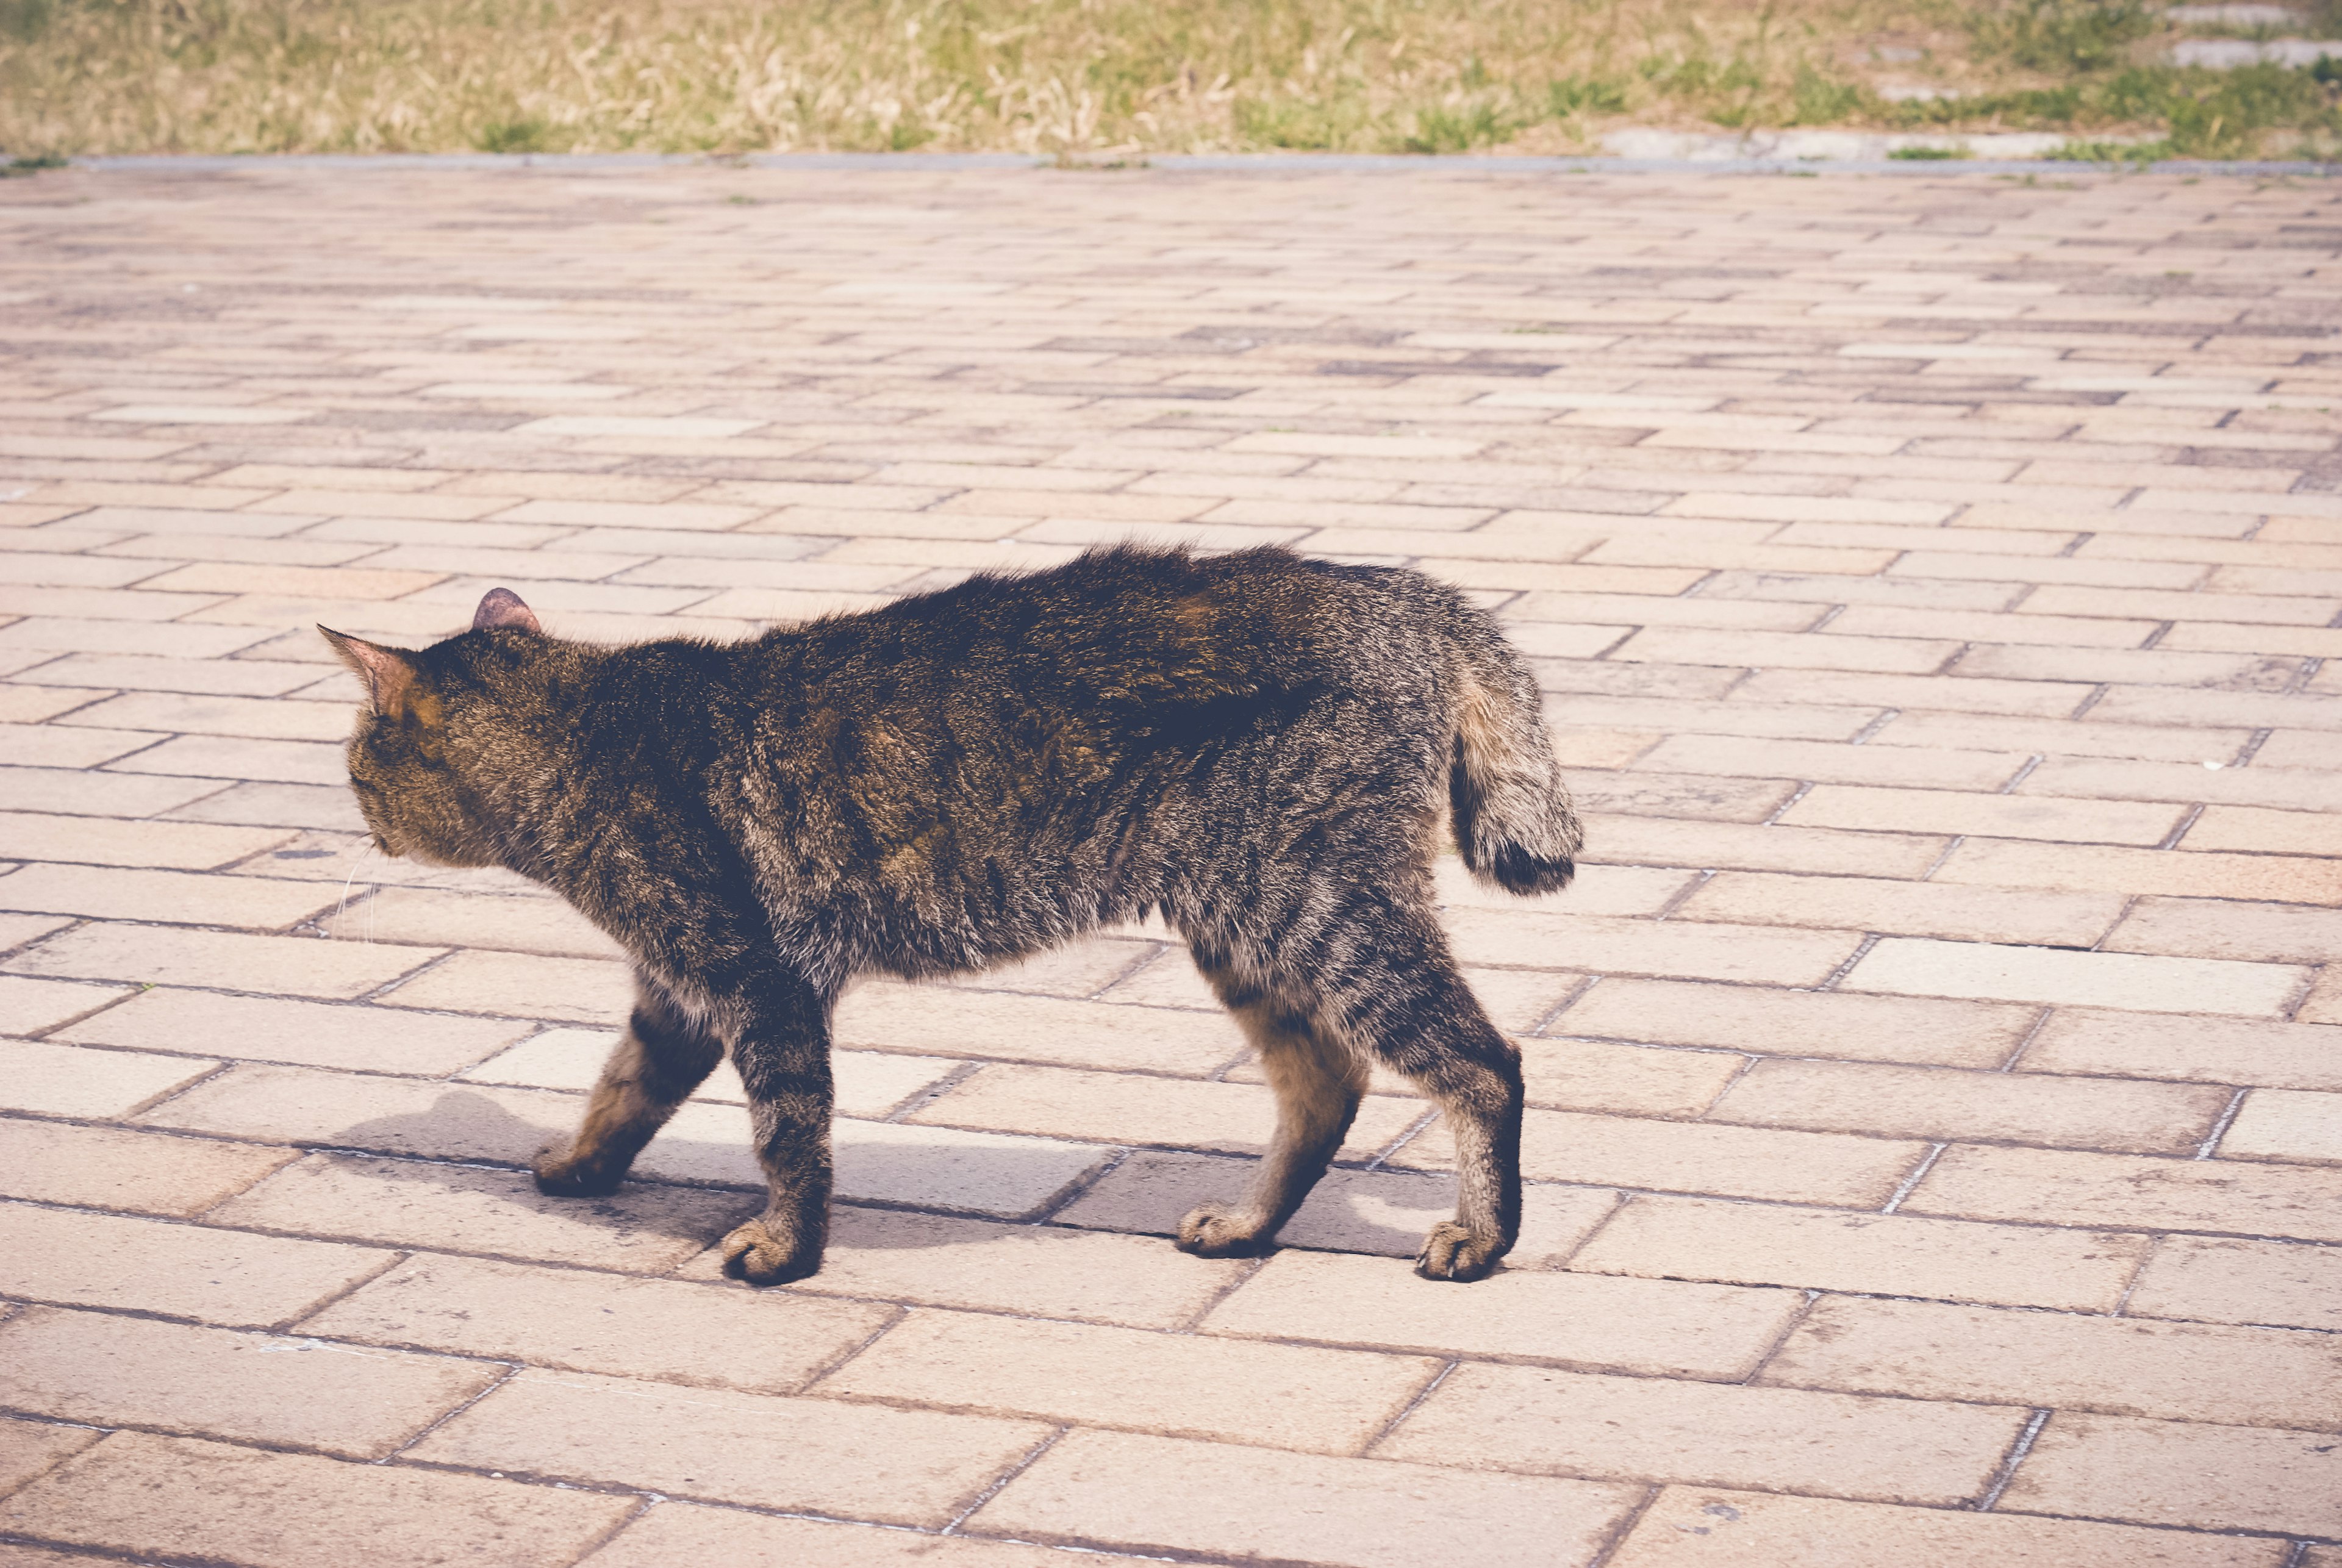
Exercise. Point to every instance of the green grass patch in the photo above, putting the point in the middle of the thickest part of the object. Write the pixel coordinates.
(1102, 78)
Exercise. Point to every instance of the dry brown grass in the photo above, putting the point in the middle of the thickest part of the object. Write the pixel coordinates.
(1029, 76)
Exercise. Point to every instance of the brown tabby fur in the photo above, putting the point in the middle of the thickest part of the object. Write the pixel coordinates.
(1257, 745)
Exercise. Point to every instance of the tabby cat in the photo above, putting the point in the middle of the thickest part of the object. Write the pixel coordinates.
(1257, 745)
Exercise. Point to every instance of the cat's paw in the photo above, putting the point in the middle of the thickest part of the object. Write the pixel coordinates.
(753, 1254)
(1211, 1232)
(559, 1176)
(1452, 1253)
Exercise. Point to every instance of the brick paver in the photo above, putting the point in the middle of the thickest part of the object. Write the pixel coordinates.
(1935, 1131)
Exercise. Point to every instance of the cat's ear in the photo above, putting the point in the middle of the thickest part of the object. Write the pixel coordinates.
(502, 608)
(389, 673)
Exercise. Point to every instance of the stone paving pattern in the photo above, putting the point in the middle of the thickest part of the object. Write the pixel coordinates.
(1937, 1072)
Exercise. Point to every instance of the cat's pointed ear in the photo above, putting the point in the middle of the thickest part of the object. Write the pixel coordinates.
(502, 608)
(389, 673)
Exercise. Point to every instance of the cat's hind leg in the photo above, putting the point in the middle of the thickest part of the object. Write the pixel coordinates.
(662, 1056)
(1318, 1080)
(1403, 999)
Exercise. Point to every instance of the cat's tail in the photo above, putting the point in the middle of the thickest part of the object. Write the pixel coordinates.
(1513, 823)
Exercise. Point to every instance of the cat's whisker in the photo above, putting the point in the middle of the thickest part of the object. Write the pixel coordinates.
(343, 907)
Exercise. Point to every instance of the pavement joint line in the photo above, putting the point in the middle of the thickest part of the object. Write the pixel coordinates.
(2227, 1116)
(2015, 1457)
(1918, 1174)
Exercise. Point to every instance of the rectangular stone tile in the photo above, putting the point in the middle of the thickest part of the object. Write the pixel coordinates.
(1565, 1074)
(1138, 1494)
(520, 985)
(29, 1448)
(277, 1104)
(2000, 815)
(53, 1080)
(1801, 1023)
(78, 792)
(766, 1341)
(330, 807)
(2071, 1187)
(63, 747)
(2001, 863)
(640, 1229)
(1882, 1254)
(1128, 1108)
(1745, 846)
(2254, 932)
(108, 892)
(1951, 1103)
(2121, 1366)
(1681, 796)
(1691, 950)
(2301, 1124)
(2212, 1279)
(1175, 1385)
(100, 841)
(179, 1496)
(868, 1083)
(1663, 1327)
(1905, 908)
(1695, 1157)
(260, 718)
(1080, 969)
(676, 1532)
(134, 671)
(323, 581)
(110, 1370)
(983, 1265)
(1937, 707)
(28, 1006)
(2182, 1473)
(953, 1022)
(2258, 830)
(111, 1168)
(2114, 779)
(312, 763)
(307, 1034)
(1692, 1527)
(161, 956)
(227, 1277)
(427, 916)
(1382, 1211)
(77, 634)
(941, 1167)
(1546, 1422)
(2044, 726)
(799, 1455)
(1786, 650)
(2141, 983)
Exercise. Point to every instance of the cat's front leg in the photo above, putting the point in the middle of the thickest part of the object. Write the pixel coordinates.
(782, 1050)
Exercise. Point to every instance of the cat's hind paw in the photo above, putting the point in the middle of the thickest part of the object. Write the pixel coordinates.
(559, 1176)
(1453, 1253)
(753, 1254)
(1211, 1232)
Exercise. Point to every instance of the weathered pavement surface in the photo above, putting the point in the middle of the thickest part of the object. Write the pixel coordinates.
(1937, 1141)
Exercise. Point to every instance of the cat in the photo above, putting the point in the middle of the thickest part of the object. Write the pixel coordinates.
(1258, 745)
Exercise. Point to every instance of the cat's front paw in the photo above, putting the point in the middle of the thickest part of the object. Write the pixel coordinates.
(755, 1253)
(1211, 1232)
(559, 1176)
(1452, 1253)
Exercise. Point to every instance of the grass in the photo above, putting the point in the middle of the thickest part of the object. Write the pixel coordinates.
(1088, 78)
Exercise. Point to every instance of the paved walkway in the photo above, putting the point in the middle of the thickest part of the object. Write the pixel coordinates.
(1937, 1151)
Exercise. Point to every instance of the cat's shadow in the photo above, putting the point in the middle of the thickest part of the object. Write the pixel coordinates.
(892, 1195)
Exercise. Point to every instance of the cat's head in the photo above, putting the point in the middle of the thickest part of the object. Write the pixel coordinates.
(428, 752)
